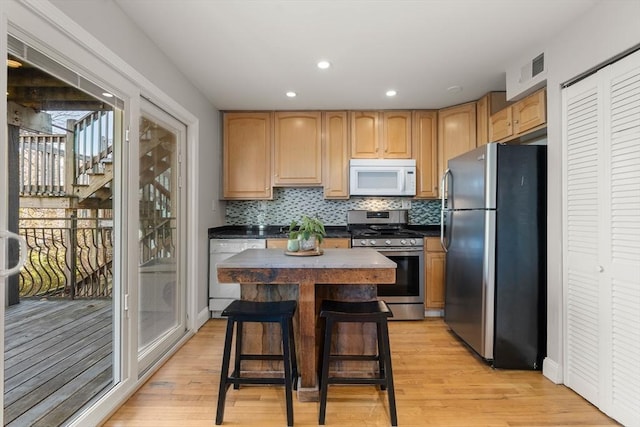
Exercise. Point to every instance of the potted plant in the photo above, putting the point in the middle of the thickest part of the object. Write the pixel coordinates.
(310, 233)
(293, 244)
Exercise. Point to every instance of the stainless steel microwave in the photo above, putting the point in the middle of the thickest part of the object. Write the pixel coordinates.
(382, 177)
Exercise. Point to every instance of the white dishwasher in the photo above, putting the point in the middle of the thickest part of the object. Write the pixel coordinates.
(222, 294)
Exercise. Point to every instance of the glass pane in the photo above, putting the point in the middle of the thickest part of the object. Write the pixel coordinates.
(61, 345)
(159, 293)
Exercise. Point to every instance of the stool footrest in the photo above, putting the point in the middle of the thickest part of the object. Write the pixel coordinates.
(354, 357)
(250, 380)
(261, 357)
(361, 381)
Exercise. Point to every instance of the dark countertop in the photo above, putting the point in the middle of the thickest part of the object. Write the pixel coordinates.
(279, 231)
(426, 230)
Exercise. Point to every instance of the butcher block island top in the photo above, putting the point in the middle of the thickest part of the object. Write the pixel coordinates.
(340, 274)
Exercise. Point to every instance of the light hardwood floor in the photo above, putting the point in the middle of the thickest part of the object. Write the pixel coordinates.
(438, 383)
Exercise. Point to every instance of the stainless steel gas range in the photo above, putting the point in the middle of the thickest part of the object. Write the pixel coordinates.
(387, 232)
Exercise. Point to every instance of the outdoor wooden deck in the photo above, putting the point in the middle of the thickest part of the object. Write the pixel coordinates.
(58, 356)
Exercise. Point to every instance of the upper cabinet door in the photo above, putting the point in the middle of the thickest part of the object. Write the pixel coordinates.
(381, 135)
(425, 150)
(396, 134)
(501, 124)
(298, 148)
(365, 135)
(335, 176)
(247, 156)
(530, 112)
(456, 132)
(486, 107)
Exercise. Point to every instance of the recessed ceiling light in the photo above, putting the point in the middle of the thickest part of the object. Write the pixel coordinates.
(391, 92)
(454, 89)
(323, 65)
(291, 94)
(107, 95)
(12, 63)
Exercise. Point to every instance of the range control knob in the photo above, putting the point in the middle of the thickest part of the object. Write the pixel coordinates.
(387, 242)
(413, 242)
(372, 242)
(403, 242)
(363, 242)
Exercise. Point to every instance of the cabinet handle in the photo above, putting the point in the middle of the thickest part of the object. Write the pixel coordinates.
(600, 269)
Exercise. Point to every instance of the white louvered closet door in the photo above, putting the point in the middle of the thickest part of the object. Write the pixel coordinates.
(602, 239)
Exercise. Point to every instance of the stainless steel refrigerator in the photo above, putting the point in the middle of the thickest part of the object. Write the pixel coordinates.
(494, 235)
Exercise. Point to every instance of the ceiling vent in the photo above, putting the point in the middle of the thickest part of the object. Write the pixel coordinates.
(532, 68)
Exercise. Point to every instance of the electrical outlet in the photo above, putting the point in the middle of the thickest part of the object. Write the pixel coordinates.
(406, 204)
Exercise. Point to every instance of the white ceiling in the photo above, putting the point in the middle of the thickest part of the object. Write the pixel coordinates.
(245, 54)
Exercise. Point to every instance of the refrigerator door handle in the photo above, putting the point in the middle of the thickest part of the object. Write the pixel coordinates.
(443, 208)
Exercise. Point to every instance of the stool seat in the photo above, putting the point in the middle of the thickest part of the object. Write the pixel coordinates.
(354, 309)
(364, 312)
(239, 312)
(258, 309)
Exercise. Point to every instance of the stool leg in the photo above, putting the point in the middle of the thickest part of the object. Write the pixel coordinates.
(286, 353)
(236, 365)
(294, 361)
(381, 354)
(389, 374)
(224, 372)
(324, 378)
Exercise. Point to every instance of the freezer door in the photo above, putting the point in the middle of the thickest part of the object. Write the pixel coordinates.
(472, 184)
(470, 278)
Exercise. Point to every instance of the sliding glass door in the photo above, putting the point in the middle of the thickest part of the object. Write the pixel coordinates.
(162, 289)
(62, 320)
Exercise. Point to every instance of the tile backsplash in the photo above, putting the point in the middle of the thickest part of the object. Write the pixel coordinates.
(292, 203)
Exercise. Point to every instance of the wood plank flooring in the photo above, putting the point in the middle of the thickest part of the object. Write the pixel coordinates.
(439, 382)
(58, 356)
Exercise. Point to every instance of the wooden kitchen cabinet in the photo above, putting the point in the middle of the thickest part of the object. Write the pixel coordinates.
(520, 118)
(425, 150)
(335, 175)
(396, 134)
(456, 133)
(486, 107)
(297, 148)
(247, 156)
(530, 112)
(277, 243)
(434, 266)
(336, 242)
(380, 135)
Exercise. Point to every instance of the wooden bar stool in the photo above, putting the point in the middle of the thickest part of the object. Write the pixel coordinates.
(239, 312)
(370, 311)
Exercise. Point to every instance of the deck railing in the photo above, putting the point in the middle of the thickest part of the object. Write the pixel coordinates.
(73, 260)
(51, 164)
(41, 165)
(73, 257)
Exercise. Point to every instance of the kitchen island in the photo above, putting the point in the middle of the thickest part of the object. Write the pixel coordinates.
(269, 274)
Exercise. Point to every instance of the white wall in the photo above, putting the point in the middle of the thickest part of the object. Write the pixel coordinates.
(106, 21)
(610, 28)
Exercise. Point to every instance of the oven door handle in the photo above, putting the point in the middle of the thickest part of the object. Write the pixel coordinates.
(398, 251)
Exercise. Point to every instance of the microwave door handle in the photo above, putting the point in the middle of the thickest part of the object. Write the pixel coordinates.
(403, 181)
